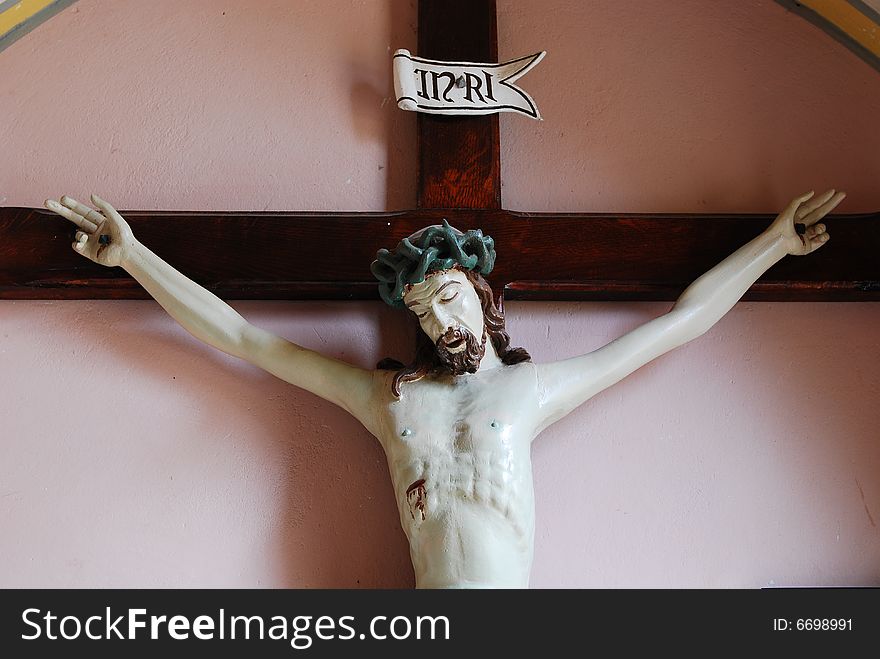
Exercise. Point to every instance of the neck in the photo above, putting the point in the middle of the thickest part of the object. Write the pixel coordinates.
(490, 359)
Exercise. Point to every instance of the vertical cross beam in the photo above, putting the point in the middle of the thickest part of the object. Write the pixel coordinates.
(459, 157)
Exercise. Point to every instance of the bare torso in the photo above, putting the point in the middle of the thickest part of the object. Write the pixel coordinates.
(458, 450)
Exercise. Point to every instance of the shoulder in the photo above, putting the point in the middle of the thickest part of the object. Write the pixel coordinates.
(522, 371)
(520, 378)
(383, 380)
(527, 369)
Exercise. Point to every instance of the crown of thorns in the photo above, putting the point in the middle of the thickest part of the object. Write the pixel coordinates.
(431, 249)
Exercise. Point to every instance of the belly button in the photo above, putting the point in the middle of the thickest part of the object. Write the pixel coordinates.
(496, 424)
(406, 432)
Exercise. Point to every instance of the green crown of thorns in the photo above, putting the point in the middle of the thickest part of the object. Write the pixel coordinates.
(431, 249)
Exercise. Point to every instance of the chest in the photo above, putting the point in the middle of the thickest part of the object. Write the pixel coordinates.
(469, 414)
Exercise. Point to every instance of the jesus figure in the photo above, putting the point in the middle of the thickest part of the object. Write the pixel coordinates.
(457, 423)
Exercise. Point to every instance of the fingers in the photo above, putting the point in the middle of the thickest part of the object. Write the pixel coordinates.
(812, 204)
(818, 241)
(821, 211)
(85, 225)
(795, 203)
(88, 213)
(107, 208)
(81, 240)
(815, 231)
(814, 237)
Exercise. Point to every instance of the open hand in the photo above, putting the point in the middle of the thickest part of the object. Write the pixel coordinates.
(806, 210)
(103, 236)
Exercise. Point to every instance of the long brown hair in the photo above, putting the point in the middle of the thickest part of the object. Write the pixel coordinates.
(426, 360)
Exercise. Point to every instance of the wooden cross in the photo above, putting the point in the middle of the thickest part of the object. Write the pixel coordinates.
(546, 256)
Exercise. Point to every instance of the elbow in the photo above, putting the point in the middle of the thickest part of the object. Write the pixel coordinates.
(231, 338)
(242, 341)
(237, 345)
(690, 321)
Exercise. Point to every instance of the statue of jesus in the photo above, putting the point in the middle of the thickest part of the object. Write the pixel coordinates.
(456, 424)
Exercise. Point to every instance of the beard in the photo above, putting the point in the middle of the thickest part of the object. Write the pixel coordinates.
(461, 361)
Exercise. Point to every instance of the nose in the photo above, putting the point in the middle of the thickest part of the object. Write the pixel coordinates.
(436, 323)
(443, 318)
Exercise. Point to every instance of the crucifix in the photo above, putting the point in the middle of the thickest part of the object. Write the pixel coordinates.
(459, 182)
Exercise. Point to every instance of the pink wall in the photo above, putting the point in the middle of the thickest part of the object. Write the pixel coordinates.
(132, 456)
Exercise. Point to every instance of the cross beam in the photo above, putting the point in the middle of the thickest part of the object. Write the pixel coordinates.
(544, 256)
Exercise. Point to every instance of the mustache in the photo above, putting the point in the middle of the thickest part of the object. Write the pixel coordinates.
(461, 361)
(454, 337)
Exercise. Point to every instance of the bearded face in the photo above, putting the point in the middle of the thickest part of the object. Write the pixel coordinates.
(460, 351)
(450, 313)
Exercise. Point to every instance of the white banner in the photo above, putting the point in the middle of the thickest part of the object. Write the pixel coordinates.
(424, 85)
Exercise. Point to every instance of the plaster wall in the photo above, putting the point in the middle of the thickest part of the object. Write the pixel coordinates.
(130, 455)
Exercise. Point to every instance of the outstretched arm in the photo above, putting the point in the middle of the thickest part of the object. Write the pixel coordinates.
(106, 238)
(566, 384)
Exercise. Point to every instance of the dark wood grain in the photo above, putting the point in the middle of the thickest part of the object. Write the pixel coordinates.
(459, 157)
(541, 256)
(548, 256)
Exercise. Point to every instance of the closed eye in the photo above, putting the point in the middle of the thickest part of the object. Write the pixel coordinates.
(448, 298)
